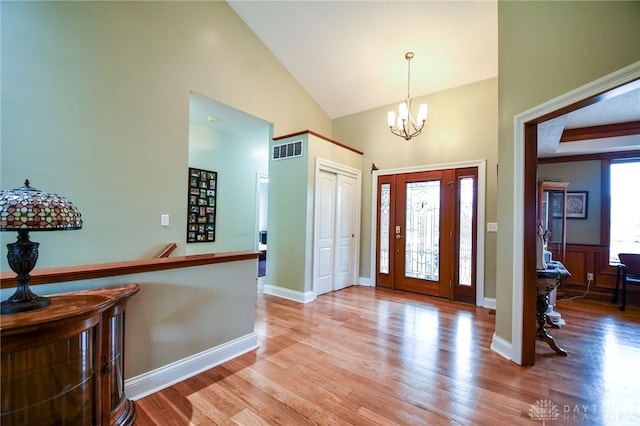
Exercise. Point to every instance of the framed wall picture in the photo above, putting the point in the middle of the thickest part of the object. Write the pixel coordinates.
(201, 201)
(577, 204)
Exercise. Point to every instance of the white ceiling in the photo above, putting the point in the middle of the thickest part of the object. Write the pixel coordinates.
(349, 56)
(210, 113)
(619, 109)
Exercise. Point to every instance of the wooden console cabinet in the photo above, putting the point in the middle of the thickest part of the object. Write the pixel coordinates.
(64, 364)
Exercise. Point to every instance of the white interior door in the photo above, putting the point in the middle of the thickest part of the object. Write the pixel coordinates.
(325, 231)
(336, 234)
(344, 262)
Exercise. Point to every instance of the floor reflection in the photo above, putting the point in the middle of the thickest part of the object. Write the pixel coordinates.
(420, 327)
(463, 335)
(620, 374)
(368, 356)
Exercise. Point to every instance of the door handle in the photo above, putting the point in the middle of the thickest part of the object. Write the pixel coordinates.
(398, 232)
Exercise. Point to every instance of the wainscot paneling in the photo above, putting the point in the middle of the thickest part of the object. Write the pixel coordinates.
(581, 260)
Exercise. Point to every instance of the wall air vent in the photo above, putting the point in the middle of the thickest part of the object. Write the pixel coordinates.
(287, 150)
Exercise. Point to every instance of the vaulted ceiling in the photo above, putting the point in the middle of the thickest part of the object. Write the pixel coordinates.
(349, 56)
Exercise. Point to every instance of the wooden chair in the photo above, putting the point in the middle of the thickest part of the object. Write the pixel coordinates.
(628, 273)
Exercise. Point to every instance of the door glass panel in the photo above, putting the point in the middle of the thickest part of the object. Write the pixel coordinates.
(385, 205)
(466, 231)
(423, 230)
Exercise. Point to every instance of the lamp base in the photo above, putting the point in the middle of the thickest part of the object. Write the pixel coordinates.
(22, 257)
(26, 305)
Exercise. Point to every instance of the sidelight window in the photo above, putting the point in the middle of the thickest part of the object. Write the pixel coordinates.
(465, 252)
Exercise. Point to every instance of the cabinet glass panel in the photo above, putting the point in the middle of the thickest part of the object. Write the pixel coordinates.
(555, 216)
(63, 370)
(116, 361)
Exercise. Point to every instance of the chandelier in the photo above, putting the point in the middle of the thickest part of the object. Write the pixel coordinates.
(405, 126)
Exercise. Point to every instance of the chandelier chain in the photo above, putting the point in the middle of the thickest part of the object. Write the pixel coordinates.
(409, 76)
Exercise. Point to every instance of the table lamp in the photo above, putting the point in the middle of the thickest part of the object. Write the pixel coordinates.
(27, 209)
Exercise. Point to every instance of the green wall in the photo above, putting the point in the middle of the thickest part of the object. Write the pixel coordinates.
(291, 211)
(237, 159)
(547, 49)
(582, 176)
(179, 313)
(95, 102)
(95, 107)
(462, 126)
(287, 218)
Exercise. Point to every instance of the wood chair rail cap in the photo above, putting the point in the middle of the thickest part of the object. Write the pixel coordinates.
(101, 270)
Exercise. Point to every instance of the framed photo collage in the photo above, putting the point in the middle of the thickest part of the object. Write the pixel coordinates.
(201, 216)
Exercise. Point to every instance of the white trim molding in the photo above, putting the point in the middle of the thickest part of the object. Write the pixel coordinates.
(480, 232)
(501, 346)
(366, 282)
(606, 83)
(489, 302)
(153, 381)
(287, 293)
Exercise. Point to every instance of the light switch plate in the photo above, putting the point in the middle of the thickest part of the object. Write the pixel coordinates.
(164, 220)
(492, 227)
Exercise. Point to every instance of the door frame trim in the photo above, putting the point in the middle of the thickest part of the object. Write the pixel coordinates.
(480, 231)
(523, 349)
(339, 169)
(259, 177)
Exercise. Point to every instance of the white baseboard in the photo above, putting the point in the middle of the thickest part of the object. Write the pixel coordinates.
(489, 302)
(501, 346)
(367, 282)
(286, 293)
(163, 377)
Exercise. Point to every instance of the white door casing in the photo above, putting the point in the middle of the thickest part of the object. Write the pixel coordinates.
(481, 165)
(622, 76)
(336, 227)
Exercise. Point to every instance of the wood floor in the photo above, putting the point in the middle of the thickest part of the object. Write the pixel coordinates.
(363, 356)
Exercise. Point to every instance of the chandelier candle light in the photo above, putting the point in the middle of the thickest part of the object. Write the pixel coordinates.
(406, 126)
(26, 209)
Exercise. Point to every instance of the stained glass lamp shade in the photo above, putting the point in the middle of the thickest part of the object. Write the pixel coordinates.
(27, 209)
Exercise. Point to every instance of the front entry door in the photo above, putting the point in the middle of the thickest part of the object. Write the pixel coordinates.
(421, 233)
(425, 238)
